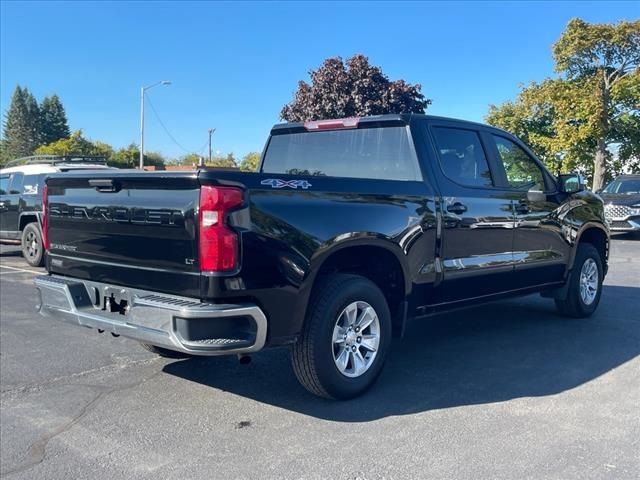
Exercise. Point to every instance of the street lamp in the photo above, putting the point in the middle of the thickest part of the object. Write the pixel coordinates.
(211, 130)
(142, 90)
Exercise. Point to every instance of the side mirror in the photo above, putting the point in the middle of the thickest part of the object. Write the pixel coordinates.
(571, 183)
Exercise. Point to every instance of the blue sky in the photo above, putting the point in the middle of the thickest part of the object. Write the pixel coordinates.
(234, 65)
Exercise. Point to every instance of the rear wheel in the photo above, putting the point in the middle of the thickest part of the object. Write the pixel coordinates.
(584, 284)
(345, 339)
(32, 248)
(164, 352)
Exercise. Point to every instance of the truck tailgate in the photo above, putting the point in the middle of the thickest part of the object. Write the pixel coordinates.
(125, 228)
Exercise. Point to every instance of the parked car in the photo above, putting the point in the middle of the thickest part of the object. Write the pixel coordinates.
(21, 199)
(350, 228)
(622, 203)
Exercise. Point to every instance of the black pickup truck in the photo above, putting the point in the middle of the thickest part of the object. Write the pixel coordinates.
(350, 228)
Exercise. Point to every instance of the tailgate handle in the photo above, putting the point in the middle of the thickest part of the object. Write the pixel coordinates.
(104, 184)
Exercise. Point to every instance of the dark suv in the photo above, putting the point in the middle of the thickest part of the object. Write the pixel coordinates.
(21, 199)
(622, 203)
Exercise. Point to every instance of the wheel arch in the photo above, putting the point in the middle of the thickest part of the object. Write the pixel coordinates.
(27, 218)
(389, 272)
(597, 235)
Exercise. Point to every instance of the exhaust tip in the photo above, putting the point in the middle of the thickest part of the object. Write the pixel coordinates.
(244, 359)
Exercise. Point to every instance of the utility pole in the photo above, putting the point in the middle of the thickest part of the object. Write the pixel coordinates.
(141, 128)
(211, 130)
(142, 90)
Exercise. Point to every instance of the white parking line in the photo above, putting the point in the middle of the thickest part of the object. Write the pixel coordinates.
(18, 269)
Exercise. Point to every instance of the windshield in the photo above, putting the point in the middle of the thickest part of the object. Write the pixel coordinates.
(624, 185)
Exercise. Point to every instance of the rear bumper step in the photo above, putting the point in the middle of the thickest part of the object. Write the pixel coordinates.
(176, 323)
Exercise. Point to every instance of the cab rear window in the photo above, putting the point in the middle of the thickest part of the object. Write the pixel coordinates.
(373, 153)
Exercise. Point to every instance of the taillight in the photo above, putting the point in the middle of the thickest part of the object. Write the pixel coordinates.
(45, 217)
(337, 124)
(218, 243)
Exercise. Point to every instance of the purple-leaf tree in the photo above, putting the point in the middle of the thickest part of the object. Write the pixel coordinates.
(354, 88)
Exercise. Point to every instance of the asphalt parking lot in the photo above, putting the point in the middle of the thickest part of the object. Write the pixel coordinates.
(507, 390)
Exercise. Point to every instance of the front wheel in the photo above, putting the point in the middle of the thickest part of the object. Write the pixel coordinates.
(32, 248)
(345, 339)
(584, 284)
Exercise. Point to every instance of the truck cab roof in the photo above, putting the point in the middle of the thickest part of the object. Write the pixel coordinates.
(375, 120)
(37, 164)
(44, 168)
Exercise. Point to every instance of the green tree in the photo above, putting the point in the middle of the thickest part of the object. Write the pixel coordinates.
(75, 144)
(154, 158)
(5, 156)
(352, 89)
(228, 161)
(191, 159)
(129, 157)
(532, 117)
(21, 125)
(101, 149)
(250, 162)
(219, 161)
(604, 60)
(34, 119)
(53, 120)
(589, 117)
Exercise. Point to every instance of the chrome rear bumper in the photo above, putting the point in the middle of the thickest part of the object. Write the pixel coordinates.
(176, 323)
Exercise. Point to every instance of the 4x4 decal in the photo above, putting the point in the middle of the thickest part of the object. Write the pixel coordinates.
(279, 183)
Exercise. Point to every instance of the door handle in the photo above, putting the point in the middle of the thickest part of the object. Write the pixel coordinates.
(522, 208)
(457, 208)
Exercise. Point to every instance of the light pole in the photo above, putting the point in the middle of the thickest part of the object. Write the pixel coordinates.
(142, 90)
(211, 130)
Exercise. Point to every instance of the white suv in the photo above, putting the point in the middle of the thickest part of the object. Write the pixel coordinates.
(21, 198)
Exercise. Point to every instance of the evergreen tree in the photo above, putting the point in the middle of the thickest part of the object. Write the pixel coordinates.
(4, 153)
(33, 120)
(20, 125)
(53, 121)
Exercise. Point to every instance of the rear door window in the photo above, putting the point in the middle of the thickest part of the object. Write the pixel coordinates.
(15, 186)
(375, 153)
(4, 184)
(462, 157)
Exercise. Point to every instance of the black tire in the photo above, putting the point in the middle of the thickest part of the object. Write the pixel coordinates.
(574, 305)
(164, 352)
(313, 355)
(32, 248)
